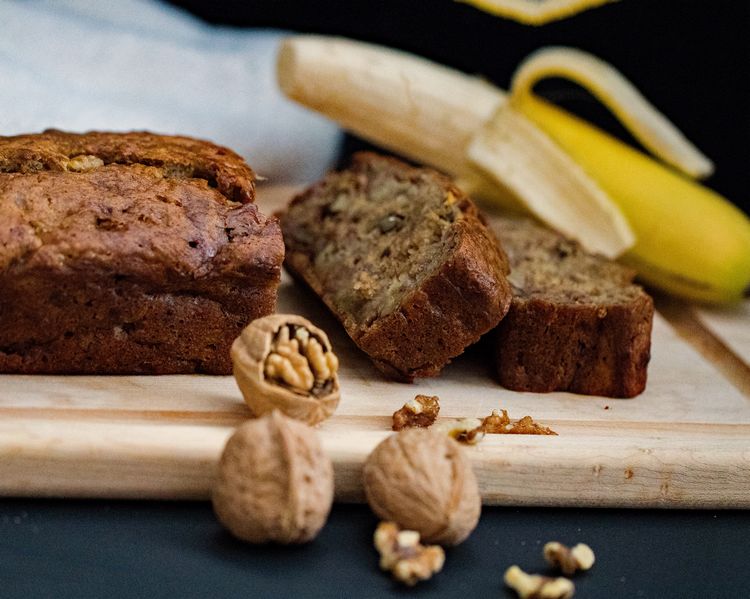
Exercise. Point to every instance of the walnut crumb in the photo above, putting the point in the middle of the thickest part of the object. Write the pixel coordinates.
(469, 431)
(501, 425)
(419, 412)
(533, 586)
(569, 560)
(404, 556)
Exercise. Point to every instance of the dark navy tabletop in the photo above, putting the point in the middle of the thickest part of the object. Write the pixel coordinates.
(79, 549)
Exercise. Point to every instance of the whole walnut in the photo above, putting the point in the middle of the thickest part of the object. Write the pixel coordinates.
(422, 480)
(275, 483)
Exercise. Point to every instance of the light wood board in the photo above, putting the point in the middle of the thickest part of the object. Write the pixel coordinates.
(685, 442)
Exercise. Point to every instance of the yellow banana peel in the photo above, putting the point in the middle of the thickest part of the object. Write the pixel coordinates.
(690, 241)
(525, 154)
(535, 12)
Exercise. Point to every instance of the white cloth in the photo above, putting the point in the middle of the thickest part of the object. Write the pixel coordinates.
(138, 64)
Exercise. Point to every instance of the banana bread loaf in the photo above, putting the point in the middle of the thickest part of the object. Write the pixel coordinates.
(404, 260)
(576, 322)
(128, 253)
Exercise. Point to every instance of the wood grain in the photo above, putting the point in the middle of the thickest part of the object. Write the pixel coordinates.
(685, 442)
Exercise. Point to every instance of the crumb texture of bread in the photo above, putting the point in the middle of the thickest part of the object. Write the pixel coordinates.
(576, 323)
(404, 260)
(129, 253)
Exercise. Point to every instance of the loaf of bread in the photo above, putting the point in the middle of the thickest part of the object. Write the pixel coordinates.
(402, 258)
(576, 323)
(129, 253)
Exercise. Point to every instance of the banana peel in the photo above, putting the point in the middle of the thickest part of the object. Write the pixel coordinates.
(689, 241)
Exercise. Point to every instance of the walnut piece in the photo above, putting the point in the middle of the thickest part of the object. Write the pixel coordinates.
(569, 560)
(284, 362)
(422, 480)
(533, 586)
(419, 412)
(83, 163)
(275, 483)
(404, 556)
(502, 425)
(466, 430)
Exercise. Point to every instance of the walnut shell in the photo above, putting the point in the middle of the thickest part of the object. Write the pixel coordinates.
(422, 480)
(275, 483)
(263, 394)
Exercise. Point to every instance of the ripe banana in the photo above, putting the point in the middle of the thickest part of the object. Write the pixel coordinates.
(535, 12)
(432, 114)
(688, 240)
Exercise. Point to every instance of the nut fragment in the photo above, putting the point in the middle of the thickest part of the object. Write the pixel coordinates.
(402, 554)
(83, 163)
(274, 482)
(422, 480)
(569, 560)
(284, 362)
(466, 430)
(502, 425)
(533, 586)
(419, 412)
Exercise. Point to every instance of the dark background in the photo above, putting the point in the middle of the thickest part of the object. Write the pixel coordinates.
(112, 549)
(690, 58)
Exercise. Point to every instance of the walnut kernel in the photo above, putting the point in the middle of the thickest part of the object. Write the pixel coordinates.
(418, 412)
(284, 362)
(402, 554)
(533, 586)
(569, 560)
(466, 430)
(502, 425)
(275, 483)
(422, 480)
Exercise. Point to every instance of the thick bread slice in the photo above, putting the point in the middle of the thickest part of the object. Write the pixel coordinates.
(404, 260)
(576, 323)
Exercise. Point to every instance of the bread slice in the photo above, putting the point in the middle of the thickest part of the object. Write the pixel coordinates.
(403, 259)
(576, 323)
(126, 253)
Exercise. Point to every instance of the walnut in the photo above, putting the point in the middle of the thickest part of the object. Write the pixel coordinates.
(284, 362)
(533, 586)
(402, 554)
(83, 163)
(466, 430)
(422, 480)
(568, 559)
(418, 412)
(274, 482)
(501, 425)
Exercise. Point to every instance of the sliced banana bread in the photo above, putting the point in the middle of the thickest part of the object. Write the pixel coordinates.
(404, 260)
(129, 253)
(576, 323)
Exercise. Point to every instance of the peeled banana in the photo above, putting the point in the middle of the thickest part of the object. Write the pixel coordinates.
(681, 237)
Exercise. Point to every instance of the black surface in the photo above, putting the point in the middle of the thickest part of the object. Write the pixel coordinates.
(76, 549)
(690, 58)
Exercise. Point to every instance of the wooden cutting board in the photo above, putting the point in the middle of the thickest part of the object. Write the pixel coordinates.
(685, 442)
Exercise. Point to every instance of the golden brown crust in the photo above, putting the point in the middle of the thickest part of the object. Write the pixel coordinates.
(123, 267)
(465, 296)
(176, 156)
